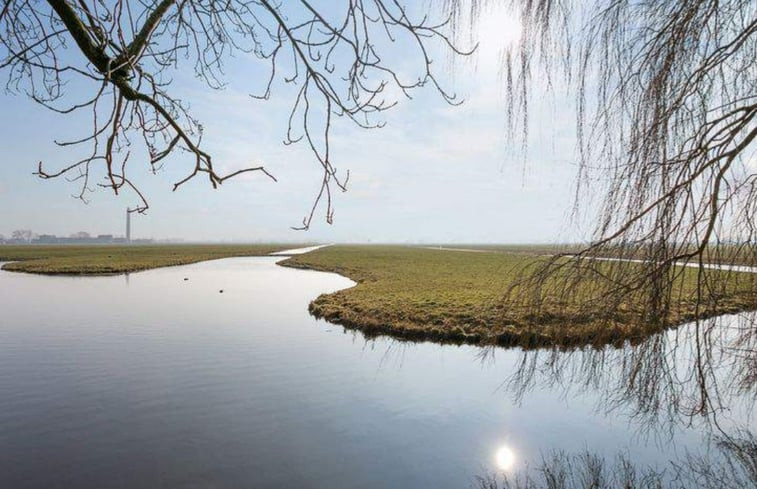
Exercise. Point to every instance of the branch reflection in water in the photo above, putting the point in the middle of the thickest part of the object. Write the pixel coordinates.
(702, 374)
(732, 464)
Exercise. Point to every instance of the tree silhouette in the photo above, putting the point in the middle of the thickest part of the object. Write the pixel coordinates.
(25, 235)
(339, 58)
(666, 118)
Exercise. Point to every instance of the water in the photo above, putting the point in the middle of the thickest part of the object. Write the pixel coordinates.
(297, 251)
(149, 380)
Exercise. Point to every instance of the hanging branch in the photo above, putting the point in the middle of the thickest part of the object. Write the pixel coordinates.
(129, 49)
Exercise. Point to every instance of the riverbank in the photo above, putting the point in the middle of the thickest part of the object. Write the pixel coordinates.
(457, 297)
(441, 295)
(115, 259)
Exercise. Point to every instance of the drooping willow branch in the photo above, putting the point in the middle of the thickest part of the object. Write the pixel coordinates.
(666, 105)
(666, 119)
(340, 60)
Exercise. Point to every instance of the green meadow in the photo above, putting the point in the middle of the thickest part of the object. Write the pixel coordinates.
(415, 293)
(110, 259)
(459, 296)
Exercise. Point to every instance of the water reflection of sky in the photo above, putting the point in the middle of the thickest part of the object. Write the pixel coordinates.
(167, 382)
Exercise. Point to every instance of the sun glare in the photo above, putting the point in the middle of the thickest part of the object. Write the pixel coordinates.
(498, 28)
(505, 458)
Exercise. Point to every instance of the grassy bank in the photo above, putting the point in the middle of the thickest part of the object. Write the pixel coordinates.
(412, 293)
(440, 295)
(110, 259)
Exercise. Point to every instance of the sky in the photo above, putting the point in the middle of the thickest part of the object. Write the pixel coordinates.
(434, 173)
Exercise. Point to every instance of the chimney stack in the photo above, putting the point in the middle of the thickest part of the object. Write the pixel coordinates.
(128, 226)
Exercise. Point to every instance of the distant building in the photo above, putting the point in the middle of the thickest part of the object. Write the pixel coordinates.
(78, 238)
(81, 237)
(46, 239)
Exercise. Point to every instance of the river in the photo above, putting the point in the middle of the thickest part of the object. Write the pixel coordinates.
(151, 380)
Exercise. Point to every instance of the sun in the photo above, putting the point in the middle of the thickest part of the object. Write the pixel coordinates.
(505, 458)
(498, 27)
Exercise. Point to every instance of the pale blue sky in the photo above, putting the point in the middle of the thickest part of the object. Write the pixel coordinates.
(435, 173)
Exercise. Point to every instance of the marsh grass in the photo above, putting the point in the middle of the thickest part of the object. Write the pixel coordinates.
(418, 293)
(460, 297)
(114, 259)
(727, 254)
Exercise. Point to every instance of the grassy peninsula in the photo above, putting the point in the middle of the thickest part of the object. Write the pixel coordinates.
(111, 259)
(407, 292)
(457, 296)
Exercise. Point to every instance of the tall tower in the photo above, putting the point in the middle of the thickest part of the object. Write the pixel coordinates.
(128, 226)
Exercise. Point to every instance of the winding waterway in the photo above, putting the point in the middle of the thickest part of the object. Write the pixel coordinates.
(159, 379)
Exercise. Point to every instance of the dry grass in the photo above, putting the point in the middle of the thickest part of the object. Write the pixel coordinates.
(111, 259)
(451, 296)
(411, 293)
(727, 254)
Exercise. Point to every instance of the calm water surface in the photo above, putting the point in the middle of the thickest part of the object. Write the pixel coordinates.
(153, 381)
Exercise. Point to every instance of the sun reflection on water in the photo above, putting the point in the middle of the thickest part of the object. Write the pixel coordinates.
(504, 458)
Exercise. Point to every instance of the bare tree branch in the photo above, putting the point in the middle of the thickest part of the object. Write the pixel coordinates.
(340, 60)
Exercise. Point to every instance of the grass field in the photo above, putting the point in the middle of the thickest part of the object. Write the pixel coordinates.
(721, 254)
(413, 293)
(457, 296)
(110, 259)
